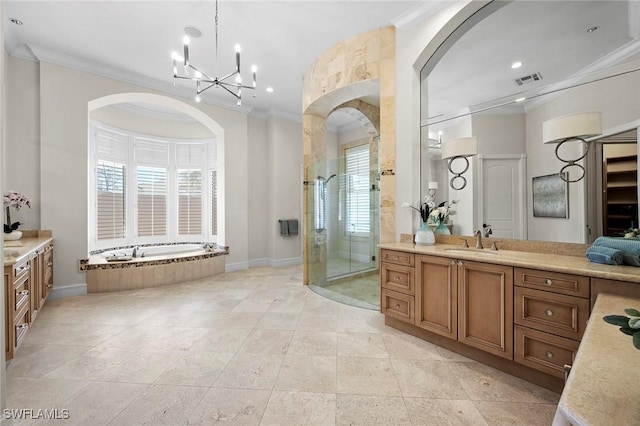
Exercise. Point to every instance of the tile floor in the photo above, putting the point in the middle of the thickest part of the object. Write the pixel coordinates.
(361, 290)
(248, 348)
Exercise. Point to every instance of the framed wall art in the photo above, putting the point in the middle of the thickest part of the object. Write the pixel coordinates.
(551, 196)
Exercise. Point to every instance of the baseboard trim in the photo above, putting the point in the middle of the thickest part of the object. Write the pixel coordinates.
(254, 263)
(236, 266)
(282, 263)
(71, 290)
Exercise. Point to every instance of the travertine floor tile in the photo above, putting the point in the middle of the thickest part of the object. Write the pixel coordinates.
(237, 407)
(318, 322)
(195, 369)
(427, 379)
(484, 383)
(275, 342)
(367, 376)
(161, 405)
(307, 374)
(98, 403)
(405, 346)
(305, 342)
(300, 408)
(36, 361)
(224, 341)
(249, 371)
(156, 338)
(443, 412)
(516, 413)
(41, 393)
(278, 321)
(369, 410)
(367, 345)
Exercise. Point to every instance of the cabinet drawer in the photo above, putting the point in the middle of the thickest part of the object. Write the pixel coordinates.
(550, 312)
(397, 278)
(20, 269)
(21, 326)
(21, 290)
(544, 352)
(397, 305)
(397, 257)
(572, 285)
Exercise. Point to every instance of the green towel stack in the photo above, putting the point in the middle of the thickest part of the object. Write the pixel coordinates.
(630, 248)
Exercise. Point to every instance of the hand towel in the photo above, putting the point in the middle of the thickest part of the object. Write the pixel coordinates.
(630, 248)
(605, 255)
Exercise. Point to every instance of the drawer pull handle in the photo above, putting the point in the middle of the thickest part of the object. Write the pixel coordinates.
(22, 326)
(394, 257)
(453, 262)
(460, 263)
(49, 285)
(23, 293)
(548, 312)
(23, 268)
(548, 282)
(548, 354)
(397, 278)
(49, 263)
(397, 306)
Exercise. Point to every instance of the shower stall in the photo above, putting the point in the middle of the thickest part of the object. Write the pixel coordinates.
(346, 228)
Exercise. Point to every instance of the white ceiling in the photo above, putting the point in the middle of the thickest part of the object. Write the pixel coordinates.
(133, 40)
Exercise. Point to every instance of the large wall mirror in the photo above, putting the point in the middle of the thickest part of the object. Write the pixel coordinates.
(501, 75)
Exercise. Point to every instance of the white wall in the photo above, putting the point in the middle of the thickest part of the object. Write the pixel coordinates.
(22, 171)
(284, 182)
(499, 133)
(258, 191)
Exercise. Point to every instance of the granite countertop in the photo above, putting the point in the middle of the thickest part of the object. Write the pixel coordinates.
(15, 251)
(602, 388)
(549, 261)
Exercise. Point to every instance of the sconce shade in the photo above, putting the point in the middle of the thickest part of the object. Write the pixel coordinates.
(463, 147)
(583, 125)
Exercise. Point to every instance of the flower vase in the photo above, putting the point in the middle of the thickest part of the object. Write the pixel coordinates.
(424, 235)
(441, 229)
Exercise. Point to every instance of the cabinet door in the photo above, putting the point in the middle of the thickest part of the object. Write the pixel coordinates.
(436, 295)
(36, 273)
(485, 307)
(47, 280)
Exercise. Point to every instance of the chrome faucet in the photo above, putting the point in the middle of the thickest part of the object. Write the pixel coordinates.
(135, 251)
(478, 236)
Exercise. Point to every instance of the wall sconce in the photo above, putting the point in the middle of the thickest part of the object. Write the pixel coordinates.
(577, 127)
(459, 148)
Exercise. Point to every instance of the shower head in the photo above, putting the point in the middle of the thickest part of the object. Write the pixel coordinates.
(330, 177)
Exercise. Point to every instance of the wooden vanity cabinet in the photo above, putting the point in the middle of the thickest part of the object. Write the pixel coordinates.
(551, 313)
(471, 302)
(27, 284)
(437, 295)
(397, 281)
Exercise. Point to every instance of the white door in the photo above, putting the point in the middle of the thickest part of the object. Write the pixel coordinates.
(503, 197)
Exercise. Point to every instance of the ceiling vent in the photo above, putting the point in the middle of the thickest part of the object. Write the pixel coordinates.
(536, 76)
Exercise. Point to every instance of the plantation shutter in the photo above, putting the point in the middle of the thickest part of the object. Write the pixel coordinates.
(358, 209)
(190, 161)
(151, 159)
(111, 157)
(213, 176)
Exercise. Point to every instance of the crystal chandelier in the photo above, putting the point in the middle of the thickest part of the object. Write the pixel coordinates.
(204, 81)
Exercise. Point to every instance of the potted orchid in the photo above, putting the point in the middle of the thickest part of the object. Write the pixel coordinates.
(17, 201)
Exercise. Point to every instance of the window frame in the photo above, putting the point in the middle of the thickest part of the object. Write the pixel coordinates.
(365, 144)
(131, 233)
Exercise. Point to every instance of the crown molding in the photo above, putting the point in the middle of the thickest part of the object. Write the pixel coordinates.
(137, 109)
(103, 70)
(418, 13)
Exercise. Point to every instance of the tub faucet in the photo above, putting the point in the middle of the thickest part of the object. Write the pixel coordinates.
(478, 236)
(135, 251)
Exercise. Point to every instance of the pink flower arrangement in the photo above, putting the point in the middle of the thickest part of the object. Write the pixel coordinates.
(16, 200)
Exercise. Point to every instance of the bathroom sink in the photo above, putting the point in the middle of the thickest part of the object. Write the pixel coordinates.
(467, 250)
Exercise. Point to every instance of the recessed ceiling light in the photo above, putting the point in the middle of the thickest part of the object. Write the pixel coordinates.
(516, 65)
(269, 89)
(592, 29)
(15, 21)
(192, 32)
(521, 99)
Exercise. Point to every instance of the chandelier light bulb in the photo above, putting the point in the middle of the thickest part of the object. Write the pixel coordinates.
(198, 98)
(198, 74)
(237, 48)
(254, 69)
(185, 40)
(176, 56)
(238, 79)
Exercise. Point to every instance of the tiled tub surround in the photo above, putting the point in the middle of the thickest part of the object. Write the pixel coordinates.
(521, 311)
(153, 271)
